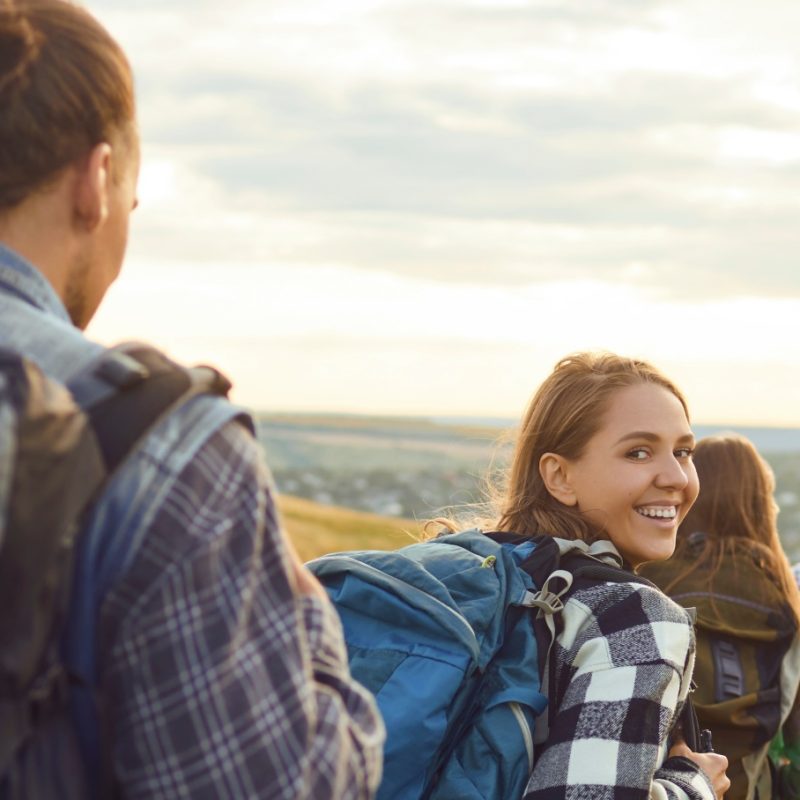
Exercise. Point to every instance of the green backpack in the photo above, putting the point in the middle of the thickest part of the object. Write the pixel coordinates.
(744, 632)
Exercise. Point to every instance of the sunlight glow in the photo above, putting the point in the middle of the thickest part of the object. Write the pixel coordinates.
(346, 340)
(157, 183)
(773, 147)
(391, 206)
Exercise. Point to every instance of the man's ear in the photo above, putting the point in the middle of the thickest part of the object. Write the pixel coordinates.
(554, 470)
(93, 177)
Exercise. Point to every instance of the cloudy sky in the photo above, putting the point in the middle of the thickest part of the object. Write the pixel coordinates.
(393, 206)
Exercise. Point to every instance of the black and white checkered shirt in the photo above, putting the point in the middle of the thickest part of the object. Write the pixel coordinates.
(620, 672)
(222, 682)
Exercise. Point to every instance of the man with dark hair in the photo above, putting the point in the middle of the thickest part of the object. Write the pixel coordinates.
(217, 659)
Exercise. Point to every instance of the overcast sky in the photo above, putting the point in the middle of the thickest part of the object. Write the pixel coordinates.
(392, 206)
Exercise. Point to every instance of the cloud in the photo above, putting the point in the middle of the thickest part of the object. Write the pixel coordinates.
(475, 142)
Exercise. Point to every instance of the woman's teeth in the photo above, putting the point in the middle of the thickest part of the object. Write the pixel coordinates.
(660, 512)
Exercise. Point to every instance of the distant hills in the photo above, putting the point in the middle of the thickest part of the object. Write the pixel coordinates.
(348, 443)
(767, 440)
(418, 468)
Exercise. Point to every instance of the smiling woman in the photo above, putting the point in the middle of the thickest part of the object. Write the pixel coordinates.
(605, 452)
(634, 480)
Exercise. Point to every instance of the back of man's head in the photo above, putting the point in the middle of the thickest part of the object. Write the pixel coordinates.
(65, 86)
(68, 148)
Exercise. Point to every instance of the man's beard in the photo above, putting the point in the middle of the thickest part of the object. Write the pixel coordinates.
(76, 298)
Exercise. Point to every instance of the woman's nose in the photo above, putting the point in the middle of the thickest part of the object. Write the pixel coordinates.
(673, 474)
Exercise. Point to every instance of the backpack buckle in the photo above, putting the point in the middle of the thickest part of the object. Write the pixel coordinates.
(548, 599)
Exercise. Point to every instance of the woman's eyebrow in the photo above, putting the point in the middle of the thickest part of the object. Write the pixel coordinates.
(649, 436)
(646, 435)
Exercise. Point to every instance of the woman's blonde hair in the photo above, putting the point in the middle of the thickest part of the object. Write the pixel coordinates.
(737, 513)
(564, 414)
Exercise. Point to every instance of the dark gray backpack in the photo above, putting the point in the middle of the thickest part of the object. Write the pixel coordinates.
(59, 445)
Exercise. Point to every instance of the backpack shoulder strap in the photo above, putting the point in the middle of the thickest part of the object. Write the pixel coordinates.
(599, 563)
(592, 569)
(183, 407)
(554, 566)
(139, 385)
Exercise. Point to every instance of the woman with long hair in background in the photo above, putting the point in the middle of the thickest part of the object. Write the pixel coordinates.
(729, 564)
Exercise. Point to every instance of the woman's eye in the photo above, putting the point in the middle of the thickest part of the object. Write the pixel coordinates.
(638, 454)
(684, 452)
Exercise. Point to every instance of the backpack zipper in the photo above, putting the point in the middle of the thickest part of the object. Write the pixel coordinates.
(525, 729)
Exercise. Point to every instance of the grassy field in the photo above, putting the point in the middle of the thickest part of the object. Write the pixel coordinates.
(316, 529)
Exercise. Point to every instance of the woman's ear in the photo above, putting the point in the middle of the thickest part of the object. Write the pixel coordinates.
(554, 470)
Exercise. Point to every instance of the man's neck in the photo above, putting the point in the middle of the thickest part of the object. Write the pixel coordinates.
(38, 231)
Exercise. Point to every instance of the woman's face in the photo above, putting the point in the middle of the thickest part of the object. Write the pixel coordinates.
(636, 479)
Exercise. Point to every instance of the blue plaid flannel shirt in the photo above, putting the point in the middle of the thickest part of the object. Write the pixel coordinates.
(224, 683)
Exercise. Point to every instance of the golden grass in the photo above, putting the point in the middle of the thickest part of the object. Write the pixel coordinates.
(316, 529)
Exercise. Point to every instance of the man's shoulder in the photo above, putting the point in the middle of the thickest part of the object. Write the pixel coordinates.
(59, 349)
(169, 494)
(192, 426)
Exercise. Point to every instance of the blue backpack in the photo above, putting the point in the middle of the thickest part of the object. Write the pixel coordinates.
(445, 634)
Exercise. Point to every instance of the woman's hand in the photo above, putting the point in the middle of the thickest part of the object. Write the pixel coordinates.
(712, 764)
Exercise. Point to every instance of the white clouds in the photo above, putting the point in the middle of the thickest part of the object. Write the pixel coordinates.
(611, 167)
(468, 152)
(776, 148)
